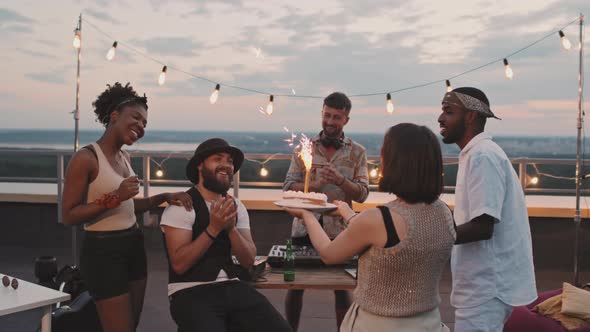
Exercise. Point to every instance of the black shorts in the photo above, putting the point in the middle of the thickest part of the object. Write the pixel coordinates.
(110, 260)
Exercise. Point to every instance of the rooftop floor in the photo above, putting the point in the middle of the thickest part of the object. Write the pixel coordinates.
(317, 314)
(29, 229)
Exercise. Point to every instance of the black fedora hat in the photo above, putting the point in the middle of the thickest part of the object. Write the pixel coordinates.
(207, 148)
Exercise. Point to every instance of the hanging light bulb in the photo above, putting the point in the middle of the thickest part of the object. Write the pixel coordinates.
(159, 172)
(508, 70)
(535, 180)
(111, 52)
(263, 171)
(389, 106)
(77, 42)
(162, 78)
(374, 172)
(449, 87)
(564, 41)
(214, 95)
(269, 107)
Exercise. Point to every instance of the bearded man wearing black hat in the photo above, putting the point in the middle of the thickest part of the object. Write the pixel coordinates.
(205, 293)
(492, 261)
(339, 170)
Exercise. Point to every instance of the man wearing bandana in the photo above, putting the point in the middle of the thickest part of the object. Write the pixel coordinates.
(492, 262)
(339, 170)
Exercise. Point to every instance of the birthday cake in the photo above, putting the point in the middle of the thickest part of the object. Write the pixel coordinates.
(310, 198)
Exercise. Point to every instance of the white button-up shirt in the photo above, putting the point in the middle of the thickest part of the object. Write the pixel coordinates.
(501, 267)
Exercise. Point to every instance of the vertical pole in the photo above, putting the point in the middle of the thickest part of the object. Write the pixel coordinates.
(76, 130)
(146, 187)
(60, 185)
(577, 219)
(522, 164)
(77, 110)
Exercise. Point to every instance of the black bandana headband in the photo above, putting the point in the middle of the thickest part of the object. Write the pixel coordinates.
(472, 103)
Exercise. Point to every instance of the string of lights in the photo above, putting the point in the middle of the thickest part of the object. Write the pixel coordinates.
(374, 172)
(508, 71)
(160, 169)
(390, 108)
(263, 170)
(534, 180)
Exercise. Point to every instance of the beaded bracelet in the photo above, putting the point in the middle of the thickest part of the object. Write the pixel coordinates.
(109, 200)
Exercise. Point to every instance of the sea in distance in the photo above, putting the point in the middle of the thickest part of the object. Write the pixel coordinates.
(251, 142)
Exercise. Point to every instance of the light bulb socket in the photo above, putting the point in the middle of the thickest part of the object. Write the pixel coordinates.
(115, 44)
(561, 34)
(505, 62)
(271, 99)
(448, 83)
(164, 69)
(217, 87)
(389, 97)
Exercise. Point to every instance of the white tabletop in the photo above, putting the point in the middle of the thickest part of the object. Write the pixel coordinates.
(27, 296)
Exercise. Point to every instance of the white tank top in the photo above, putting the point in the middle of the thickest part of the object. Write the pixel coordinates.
(107, 180)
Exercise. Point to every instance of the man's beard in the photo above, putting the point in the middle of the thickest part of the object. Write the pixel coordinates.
(210, 182)
(453, 136)
(333, 133)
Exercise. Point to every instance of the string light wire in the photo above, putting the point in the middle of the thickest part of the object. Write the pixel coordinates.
(290, 95)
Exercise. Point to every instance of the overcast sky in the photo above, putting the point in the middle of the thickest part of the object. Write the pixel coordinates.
(309, 47)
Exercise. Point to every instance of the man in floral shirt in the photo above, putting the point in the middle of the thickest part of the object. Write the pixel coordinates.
(339, 170)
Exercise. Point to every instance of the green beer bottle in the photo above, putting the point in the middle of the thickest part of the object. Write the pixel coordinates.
(289, 263)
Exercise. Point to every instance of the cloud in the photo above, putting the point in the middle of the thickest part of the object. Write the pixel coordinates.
(101, 15)
(36, 53)
(17, 28)
(56, 76)
(314, 47)
(170, 46)
(105, 3)
(13, 22)
(9, 16)
(441, 35)
(7, 96)
(46, 42)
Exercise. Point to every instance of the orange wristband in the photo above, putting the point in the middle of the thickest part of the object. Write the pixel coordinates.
(109, 200)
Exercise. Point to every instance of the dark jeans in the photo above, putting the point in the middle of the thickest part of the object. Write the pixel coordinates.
(227, 306)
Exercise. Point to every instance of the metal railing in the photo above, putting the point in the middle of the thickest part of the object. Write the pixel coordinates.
(147, 180)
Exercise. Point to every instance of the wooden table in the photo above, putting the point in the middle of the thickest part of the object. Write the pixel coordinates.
(30, 296)
(334, 278)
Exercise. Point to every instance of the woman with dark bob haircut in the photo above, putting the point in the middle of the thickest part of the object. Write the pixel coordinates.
(99, 192)
(403, 245)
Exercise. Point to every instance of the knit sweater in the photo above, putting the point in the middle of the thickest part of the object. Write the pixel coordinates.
(403, 280)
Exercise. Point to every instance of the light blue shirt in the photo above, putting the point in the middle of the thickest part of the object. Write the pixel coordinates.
(501, 267)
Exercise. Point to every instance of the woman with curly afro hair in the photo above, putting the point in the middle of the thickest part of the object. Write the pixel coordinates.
(99, 192)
